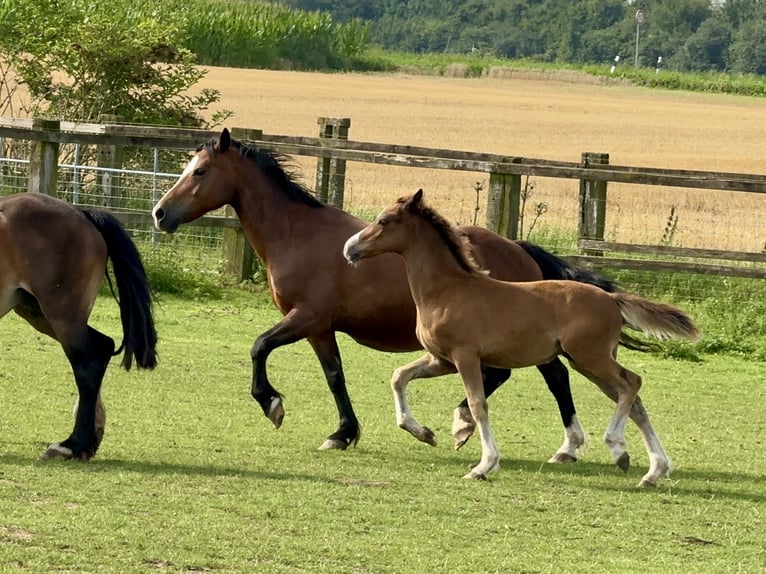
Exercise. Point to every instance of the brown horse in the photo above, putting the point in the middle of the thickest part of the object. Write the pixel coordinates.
(53, 258)
(299, 239)
(466, 319)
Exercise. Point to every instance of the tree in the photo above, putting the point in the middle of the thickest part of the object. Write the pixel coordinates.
(708, 48)
(748, 50)
(81, 60)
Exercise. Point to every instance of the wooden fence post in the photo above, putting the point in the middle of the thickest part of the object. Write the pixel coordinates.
(238, 255)
(503, 202)
(331, 172)
(2, 164)
(110, 157)
(44, 159)
(592, 202)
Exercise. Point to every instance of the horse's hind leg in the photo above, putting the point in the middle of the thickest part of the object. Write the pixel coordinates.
(659, 463)
(557, 378)
(425, 367)
(89, 356)
(620, 385)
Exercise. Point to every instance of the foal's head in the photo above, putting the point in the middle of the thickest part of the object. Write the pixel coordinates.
(394, 229)
(218, 171)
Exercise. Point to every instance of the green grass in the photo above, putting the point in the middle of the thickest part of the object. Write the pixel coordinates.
(191, 477)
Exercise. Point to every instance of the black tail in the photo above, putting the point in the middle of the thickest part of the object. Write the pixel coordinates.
(135, 299)
(554, 267)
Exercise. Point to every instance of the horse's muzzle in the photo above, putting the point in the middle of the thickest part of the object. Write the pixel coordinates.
(163, 222)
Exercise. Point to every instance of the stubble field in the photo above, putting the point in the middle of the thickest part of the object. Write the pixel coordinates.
(537, 118)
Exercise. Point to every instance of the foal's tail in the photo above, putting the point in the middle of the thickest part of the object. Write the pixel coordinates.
(553, 267)
(658, 320)
(135, 300)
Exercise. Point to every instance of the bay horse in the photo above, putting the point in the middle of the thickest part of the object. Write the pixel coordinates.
(467, 319)
(299, 240)
(53, 260)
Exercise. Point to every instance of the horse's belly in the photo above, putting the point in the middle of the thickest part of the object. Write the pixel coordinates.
(520, 352)
(392, 335)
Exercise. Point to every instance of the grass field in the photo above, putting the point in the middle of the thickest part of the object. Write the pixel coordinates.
(534, 117)
(192, 478)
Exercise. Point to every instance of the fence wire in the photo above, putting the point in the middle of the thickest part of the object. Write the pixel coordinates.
(129, 191)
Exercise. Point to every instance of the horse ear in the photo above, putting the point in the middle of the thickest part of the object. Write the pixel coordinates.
(414, 201)
(225, 140)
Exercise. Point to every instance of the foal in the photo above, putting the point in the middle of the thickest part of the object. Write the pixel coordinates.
(466, 319)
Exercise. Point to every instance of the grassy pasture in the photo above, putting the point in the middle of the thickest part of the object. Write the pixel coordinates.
(548, 117)
(192, 478)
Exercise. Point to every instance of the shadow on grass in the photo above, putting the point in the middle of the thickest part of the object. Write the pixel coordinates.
(687, 481)
(106, 465)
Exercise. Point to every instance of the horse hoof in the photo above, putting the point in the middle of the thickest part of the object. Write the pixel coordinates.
(276, 412)
(428, 436)
(646, 483)
(461, 437)
(334, 444)
(562, 458)
(623, 463)
(57, 451)
(475, 476)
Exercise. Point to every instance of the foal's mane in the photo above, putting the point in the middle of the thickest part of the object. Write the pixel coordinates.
(456, 240)
(272, 164)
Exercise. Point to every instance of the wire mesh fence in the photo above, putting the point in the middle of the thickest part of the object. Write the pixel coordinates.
(136, 190)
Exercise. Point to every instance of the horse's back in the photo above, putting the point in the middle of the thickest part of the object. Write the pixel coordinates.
(504, 259)
(50, 250)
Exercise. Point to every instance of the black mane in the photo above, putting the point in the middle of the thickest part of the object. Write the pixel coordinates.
(272, 165)
(456, 240)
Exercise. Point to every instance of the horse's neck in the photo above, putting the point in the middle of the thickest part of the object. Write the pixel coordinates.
(265, 214)
(430, 267)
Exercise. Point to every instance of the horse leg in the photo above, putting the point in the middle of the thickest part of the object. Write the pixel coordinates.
(326, 349)
(293, 327)
(469, 367)
(659, 463)
(620, 385)
(425, 367)
(29, 309)
(89, 357)
(463, 424)
(557, 378)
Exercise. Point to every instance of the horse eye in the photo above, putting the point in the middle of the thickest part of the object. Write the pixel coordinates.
(382, 221)
(200, 171)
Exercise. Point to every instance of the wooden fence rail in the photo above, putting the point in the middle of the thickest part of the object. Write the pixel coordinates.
(334, 149)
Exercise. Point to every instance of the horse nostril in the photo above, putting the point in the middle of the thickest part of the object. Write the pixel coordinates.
(159, 214)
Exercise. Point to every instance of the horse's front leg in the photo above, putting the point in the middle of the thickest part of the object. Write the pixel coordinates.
(326, 349)
(463, 424)
(293, 327)
(469, 366)
(425, 367)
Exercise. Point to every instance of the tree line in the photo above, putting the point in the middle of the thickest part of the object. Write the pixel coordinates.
(688, 35)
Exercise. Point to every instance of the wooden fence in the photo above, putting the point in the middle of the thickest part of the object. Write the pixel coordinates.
(334, 149)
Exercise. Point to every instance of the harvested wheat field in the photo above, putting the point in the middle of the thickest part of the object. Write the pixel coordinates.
(532, 117)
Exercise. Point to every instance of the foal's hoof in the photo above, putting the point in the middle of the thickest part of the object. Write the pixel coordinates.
(276, 412)
(476, 476)
(623, 463)
(562, 458)
(462, 426)
(646, 483)
(57, 451)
